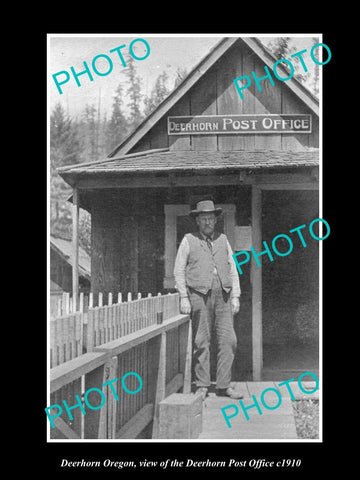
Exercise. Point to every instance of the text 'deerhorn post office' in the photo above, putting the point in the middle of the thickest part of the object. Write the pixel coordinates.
(239, 124)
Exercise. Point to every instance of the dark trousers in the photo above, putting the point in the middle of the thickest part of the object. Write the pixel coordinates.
(213, 312)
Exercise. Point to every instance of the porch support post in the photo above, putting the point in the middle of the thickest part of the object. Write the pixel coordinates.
(256, 281)
(75, 247)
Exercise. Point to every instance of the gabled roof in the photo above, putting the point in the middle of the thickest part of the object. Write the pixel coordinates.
(206, 63)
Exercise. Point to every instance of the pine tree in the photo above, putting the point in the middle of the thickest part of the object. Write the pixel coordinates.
(90, 129)
(63, 137)
(159, 92)
(117, 127)
(134, 94)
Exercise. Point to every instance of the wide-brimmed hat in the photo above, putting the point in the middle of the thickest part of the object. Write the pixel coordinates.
(205, 206)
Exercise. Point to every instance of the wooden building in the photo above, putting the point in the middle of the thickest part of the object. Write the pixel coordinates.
(266, 180)
(61, 269)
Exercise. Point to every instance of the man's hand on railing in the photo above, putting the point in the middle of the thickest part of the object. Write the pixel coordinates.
(185, 306)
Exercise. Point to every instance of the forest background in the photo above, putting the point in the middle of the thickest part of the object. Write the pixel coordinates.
(93, 133)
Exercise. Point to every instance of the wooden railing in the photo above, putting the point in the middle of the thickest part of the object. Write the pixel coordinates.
(160, 353)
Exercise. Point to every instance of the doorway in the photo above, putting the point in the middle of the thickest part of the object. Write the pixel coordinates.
(290, 286)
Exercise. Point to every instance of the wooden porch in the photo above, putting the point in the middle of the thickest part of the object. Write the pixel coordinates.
(277, 424)
(147, 336)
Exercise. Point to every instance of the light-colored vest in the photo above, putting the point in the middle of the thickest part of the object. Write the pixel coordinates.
(201, 263)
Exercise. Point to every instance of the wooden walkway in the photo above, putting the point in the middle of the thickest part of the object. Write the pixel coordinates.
(274, 424)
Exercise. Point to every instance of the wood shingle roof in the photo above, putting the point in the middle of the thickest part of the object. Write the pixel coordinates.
(176, 161)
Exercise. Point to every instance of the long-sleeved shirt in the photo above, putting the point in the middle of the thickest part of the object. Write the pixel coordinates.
(180, 268)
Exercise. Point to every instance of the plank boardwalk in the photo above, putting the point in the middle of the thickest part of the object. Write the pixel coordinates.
(274, 424)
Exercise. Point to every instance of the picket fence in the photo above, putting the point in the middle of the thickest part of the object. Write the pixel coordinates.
(73, 333)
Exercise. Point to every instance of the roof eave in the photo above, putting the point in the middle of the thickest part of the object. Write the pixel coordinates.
(74, 177)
